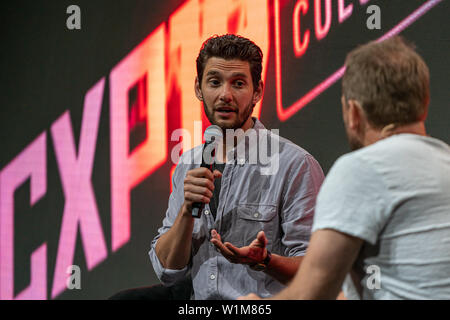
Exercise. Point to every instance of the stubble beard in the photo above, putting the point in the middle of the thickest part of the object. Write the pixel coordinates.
(237, 124)
(355, 144)
(355, 141)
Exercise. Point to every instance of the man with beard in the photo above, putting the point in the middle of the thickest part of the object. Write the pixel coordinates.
(255, 227)
(382, 219)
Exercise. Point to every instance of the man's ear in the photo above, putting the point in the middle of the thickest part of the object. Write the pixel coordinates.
(344, 109)
(258, 92)
(424, 116)
(198, 90)
(355, 114)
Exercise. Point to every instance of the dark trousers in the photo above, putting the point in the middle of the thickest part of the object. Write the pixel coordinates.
(181, 290)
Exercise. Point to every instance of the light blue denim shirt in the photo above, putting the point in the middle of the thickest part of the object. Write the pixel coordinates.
(253, 197)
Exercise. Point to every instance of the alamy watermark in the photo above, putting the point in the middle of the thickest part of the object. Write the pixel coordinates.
(74, 20)
(260, 147)
(74, 279)
(373, 282)
(374, 20)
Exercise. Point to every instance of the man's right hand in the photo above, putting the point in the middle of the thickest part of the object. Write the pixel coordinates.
(174, 247)
(198, 187)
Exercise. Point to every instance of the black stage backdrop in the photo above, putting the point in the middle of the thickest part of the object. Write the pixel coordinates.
(87, 117)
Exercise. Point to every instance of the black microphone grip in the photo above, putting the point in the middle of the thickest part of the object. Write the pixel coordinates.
(197, 207)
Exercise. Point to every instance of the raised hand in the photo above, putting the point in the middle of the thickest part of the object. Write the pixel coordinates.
(199, 186)
(254, 253)
(250, 296)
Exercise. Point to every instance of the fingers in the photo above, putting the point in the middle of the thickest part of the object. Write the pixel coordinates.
(250, 296)
(201, 173)
(194, 197)
(217, 242)
(260, 241)
(262, 238)
(198, 185)
(201, 182)
(223, 250)
(193, 189)
(215, 235)
(204, 173)
(234, 250)
(245, 255)
(217, 174)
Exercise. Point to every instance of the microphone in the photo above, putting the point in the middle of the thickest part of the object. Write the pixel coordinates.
(212, 136)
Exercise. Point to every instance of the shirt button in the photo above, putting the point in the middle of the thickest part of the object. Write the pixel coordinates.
(206, 211)
(256, 215)
(212, 277)
(241, 161)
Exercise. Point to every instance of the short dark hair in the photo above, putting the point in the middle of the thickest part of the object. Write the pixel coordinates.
(390, 80)
(231, 46)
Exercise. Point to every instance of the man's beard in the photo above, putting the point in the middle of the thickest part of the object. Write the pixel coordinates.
(355, 140)
(355, 143)
(234, 125)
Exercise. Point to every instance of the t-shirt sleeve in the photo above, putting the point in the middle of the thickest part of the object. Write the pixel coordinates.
(353, 200)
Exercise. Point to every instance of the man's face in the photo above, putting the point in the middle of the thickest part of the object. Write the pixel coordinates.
(227, 93)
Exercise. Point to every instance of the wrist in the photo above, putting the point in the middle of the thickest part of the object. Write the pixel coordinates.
(267, 259)
(261, 266)
(186, 210)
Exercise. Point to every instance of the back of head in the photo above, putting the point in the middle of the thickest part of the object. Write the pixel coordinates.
(230, 47)
(390, 81)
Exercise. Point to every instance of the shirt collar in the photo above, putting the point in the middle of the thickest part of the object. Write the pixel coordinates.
(241, 152)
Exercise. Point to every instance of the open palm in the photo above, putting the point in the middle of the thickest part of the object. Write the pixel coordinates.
(251, 254)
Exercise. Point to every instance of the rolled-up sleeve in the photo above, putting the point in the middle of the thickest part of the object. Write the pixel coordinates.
(170, 276)
(305, 176)
(166, 276)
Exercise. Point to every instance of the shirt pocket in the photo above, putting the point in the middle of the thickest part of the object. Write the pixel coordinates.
(253, 218)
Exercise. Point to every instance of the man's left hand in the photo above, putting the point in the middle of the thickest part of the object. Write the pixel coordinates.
(250, 296)
(254, 253)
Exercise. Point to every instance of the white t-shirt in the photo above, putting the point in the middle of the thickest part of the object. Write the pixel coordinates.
(395, 195)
